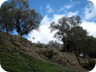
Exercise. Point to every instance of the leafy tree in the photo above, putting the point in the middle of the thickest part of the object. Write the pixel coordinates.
(77, 37)
(89, 47)
(80, 42)
(63, 28)
(17, 15)
(6, 18)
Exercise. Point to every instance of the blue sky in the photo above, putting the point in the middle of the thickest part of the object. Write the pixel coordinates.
(52, 10)
(50, 7)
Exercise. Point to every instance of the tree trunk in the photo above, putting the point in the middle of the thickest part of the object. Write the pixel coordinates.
(64, 45)
(20, 34)
(19, 30)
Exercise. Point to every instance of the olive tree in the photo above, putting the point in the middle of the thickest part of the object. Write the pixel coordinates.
(63, 28)
(17, 15)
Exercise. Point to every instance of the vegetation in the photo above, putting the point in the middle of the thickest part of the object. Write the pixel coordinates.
(55, 44)
(90, 65)
(14, 60)
(63, 28)
(40, 45)
(16, 15)
(75, 39)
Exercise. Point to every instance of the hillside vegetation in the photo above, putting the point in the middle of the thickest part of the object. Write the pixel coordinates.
(15, 59)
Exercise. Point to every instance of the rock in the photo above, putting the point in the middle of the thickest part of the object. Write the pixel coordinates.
(66, 59)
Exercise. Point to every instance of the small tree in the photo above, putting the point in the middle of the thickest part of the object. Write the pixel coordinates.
(16, 15)
(63, 28)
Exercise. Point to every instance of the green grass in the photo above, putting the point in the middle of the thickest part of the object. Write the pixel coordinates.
(13, 60)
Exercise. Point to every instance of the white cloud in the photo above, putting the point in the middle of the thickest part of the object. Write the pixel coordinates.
(44, 35)
(57, 16)
(49, 9)
(90, 27)
(68, 6)
(1, 1)
(69, 14)
(90, 11)
(65, 7)
(93, 1)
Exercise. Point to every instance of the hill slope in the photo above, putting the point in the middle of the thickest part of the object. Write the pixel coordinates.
(16, 57)
(16, 61)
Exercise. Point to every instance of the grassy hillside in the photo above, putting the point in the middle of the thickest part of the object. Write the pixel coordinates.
(14, 60)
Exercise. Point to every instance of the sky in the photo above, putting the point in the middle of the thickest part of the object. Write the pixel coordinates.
(52, 10)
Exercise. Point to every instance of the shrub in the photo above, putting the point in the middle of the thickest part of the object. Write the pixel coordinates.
(90, 65)
(49, 53)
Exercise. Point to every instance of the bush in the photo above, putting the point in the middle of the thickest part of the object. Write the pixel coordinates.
(49, 53)
(90, 65)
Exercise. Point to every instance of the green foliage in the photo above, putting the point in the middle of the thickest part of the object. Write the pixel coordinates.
(63, 28)
(90, 65)
(16, 15)
(14, 60)
(55, 44)
(76, 39)
(89, 46)
(39, 45)
(48, 53)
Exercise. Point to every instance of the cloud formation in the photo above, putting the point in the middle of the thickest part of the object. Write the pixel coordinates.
(93, 1)
(90, 27)
(44, 35)
(90, 11)
(69, 14)
(65, 7)
(49, 9)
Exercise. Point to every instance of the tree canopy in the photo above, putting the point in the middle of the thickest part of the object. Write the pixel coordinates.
(17, 15)
(63, 28)
(75, 39)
